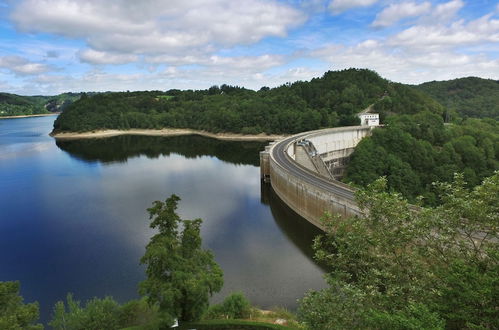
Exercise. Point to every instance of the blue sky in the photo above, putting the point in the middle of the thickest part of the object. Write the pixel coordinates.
(54, 46)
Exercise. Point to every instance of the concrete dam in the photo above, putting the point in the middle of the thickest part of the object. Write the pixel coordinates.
(304, 169)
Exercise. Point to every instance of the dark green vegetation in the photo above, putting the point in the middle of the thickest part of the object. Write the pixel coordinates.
(471, 97)
(102, 314)
(414, 151)
(235, 306)
(180, 275)
(120, 148)
(398, 268)
(16, 105)
(14, 314)
(332, 100)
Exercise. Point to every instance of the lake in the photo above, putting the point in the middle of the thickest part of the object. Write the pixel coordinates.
(73, 215)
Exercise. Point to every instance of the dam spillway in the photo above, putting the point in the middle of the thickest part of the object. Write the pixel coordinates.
(303, 170)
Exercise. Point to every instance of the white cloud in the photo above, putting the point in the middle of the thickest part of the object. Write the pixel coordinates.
(408, 66)
(339, 6)
(398, 11)
(96, 57)
(261, 62)
(156, 27)
(446, 11)
(198, 43)
(458, 34)
(22, 66)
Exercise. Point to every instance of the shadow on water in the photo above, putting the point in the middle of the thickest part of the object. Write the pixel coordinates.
(297, 229)
(120, 148)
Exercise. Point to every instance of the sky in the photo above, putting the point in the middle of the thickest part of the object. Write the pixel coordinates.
(53, 46)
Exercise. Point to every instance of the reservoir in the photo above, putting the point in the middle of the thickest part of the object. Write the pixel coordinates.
(73, 215)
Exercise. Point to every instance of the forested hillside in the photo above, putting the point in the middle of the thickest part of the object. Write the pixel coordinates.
(16, 105)
(472, 97)
(332, 100)
(413, 151)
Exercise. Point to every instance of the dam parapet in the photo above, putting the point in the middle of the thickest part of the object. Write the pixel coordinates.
(304, 170)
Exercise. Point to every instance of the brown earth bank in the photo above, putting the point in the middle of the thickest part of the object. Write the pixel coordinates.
(164, 132)
(27, 116)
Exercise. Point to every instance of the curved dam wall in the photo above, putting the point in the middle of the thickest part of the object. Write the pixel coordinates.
(307, 191)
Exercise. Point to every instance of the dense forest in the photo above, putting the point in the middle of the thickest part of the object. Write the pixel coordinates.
(329, 101)
(471, 97)
(17, 105)
(413, 151)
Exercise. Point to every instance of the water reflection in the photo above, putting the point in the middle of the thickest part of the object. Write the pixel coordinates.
(301, 232)
(73, 216)
(120, 148)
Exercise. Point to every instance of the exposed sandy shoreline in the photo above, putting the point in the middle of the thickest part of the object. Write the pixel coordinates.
(27, 116)
(165, 132)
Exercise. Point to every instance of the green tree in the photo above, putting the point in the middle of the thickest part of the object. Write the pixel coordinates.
(413, 151)
(413, 317)
(411, 267)
(181, 276)
(14, 314)
(96, 314)
(102, 314)
(235, 306)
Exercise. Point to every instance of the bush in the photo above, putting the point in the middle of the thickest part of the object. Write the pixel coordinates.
(235, 306)
(97, 314)
(137, 312)
(103, 314)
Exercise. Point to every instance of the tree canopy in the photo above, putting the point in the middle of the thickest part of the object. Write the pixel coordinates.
(97, 314)
(405, 268)
(413, 151)
(16, 105)
(470, 97)
(331, 100)
(14, 314)
(181, 276)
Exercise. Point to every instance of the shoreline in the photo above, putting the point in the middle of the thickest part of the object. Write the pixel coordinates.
(28, 116)
(164, 132)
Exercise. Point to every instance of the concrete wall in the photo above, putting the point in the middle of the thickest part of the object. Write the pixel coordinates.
(338, 142)
(307, 199)
(302, 157)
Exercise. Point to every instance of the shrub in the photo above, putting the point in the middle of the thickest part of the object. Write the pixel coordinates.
(235, 306)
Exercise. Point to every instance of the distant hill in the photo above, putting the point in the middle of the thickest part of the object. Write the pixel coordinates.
(16, 105)
(331, 100)
(472, 97)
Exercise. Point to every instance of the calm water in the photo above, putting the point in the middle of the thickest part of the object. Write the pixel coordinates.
(73, 215)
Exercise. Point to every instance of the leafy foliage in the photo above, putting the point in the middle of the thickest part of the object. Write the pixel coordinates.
(101, 314)
(415, 150)
(413, 317)
(235, 306)
(472, 97)
(332, 100)
(181, 276)
(14, 314)
(97, 314)
(15, 105)
(411, 268)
